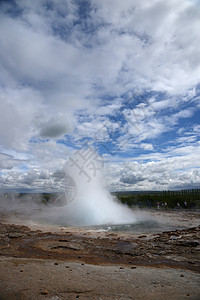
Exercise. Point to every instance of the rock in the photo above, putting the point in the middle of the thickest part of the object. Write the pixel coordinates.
(3, 235)
(71, 246)
(14, 235)
(188, 244)
(111, 234)
(44, 292)
(55, 263)
(162, 253)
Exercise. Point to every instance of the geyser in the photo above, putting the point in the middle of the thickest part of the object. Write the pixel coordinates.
(93, 204)
(83, 200)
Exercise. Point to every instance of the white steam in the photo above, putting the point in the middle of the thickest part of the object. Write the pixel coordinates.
(90, 204)
(93, 204)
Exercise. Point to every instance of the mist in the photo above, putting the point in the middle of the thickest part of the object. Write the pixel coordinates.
(93, 204)
(84, 200)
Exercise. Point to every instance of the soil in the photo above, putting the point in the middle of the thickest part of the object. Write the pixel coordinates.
(43, 262)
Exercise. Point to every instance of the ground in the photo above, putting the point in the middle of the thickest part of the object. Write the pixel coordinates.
(51, 262)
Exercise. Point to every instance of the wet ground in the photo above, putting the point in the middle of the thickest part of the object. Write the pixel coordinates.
(177, 250)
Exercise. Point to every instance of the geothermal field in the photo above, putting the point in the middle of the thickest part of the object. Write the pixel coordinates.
(99, 149)
(84, 243)
(97, 249)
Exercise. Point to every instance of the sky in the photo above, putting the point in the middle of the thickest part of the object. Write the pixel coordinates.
(117, 78)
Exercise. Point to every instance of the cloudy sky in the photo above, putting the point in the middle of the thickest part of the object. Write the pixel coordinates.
(120, 76)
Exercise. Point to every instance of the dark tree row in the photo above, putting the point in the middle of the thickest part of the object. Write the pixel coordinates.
(166, 199)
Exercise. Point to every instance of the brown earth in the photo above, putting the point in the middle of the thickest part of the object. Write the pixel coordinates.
(69, 264)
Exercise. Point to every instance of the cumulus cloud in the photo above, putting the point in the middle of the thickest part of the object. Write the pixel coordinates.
(7, 161)
(160, 171)
(125, 74)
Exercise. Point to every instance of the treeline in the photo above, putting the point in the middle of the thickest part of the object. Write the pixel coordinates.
(167, 199)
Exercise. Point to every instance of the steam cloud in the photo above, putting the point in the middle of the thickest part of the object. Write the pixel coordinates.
(92, 204)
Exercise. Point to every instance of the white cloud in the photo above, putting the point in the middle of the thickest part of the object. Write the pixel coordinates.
(61, 74)
(7, 161)
(164, 56)
(15, 124)
(146, 146)
(170, 170)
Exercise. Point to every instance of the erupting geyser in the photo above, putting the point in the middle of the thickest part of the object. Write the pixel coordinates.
(83, 201)
(93, 204)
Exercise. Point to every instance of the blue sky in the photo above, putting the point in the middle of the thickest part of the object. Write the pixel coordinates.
(122, 76)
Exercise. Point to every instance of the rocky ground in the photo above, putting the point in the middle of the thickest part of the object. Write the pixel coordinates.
(68, 264)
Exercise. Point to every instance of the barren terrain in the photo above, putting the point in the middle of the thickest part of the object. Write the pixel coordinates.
(43, 262)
